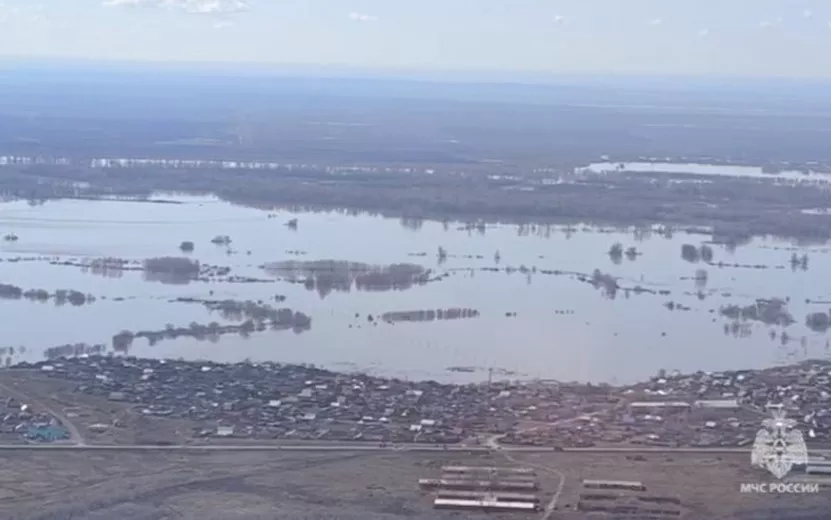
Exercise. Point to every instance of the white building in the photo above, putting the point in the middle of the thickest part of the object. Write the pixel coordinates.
(224, 431)
(721, 404)
(654, 405)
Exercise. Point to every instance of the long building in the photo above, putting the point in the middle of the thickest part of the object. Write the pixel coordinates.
(477, 469)
(633, 511)
(476, 484)
(499, 496)
(659, 405)
(614, 484)
(721, 404)
(489, 476)
(486, 505)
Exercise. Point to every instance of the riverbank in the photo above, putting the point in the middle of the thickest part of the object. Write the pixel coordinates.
(734, 208)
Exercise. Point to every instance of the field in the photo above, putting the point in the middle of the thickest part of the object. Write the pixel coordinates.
(231, 485)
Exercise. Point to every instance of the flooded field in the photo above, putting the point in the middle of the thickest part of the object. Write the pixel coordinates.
(411, 299)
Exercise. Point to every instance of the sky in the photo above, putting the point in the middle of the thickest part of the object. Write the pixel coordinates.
(790, 38)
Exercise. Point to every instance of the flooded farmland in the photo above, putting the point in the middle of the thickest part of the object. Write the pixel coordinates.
(381, 295)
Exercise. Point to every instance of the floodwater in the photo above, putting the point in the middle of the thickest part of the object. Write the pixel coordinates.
(596, 338)
(704, 169)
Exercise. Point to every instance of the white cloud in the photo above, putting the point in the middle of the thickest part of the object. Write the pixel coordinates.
(362, 17)
(656, 21)
(559, 19)
(127, 3)
(213, 7)
(769, 25)
(27, 13)
(703, 33)
(807, 14)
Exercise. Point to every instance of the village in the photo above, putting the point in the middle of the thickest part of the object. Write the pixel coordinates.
(262, 401)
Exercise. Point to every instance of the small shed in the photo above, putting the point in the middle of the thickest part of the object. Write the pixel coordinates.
(224, 431)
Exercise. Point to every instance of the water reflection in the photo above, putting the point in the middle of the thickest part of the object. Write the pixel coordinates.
(430, 315)
(617, 252)
(74, 350)
(104, 271)
(60, 297)
(9, 355)
(738, 329)
(799, 262)
(516, 282)
(168, 270)
(325, 276)
(257, 311)
(283, 319)
(701, 278)
(819, 321)
(412, 224)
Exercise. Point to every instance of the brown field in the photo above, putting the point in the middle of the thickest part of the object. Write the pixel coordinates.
(224, 485)
(230, 485)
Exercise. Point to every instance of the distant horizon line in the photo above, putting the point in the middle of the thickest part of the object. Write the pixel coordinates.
(394, 73)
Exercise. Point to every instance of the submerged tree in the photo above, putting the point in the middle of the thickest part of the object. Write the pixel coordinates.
(606, 282)
(799, 262)
(701, 278)
(122, 341)
(818, 321)
(690, 253)
(616, 252)
(221, 240)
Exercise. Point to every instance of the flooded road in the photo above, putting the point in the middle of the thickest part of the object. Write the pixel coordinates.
(529, 322)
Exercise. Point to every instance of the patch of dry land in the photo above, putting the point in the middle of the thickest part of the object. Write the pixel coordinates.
(230, 485)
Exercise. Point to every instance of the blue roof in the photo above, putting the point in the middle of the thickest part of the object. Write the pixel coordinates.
(47, 432)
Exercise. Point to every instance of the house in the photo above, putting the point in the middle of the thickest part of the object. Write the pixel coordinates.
(46, 433)
(224, 431)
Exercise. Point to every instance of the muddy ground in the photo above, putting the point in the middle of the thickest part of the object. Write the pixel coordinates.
(243, 485)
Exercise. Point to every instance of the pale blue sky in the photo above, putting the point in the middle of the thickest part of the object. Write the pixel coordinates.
(724, 37)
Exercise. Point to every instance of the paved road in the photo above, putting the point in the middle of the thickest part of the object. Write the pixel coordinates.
(376, 448)
(561, 483)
